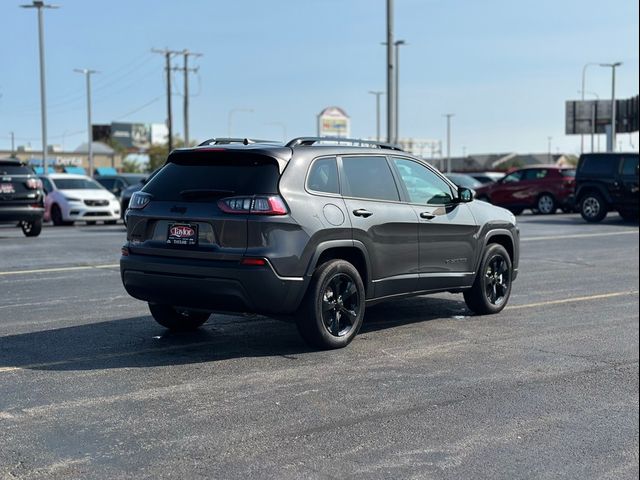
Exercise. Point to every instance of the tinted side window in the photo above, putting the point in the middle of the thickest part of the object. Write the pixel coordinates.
(107, 183)
(534, 174)
(46, 184)
(513, 177)
(630, 166)
(423, 186)
(323, 176)
(369, 177)
(599, 165)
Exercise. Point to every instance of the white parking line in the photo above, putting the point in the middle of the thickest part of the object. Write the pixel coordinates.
(574, 299)
(60, 269)
(579, 235)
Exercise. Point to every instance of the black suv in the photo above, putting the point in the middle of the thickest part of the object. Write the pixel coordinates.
(21, 197)
(607, 181)
(312, 230)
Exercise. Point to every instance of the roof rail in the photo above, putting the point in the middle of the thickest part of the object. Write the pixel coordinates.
(227, 141)
(308, 141)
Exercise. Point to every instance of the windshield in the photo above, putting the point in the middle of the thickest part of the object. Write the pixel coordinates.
(76, 184)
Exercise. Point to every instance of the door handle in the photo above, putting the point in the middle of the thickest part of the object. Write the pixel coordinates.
(361, 212)
(427, 215)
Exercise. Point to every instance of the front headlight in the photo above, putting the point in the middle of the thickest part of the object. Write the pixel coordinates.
(71, 199)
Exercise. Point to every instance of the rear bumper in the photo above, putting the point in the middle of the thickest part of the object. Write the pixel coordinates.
(210, 285)
(17, 213)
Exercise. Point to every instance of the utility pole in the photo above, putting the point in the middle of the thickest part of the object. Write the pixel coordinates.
(185, 106)
(13, 143)
(584, 75)
(167, 55)
(377, 93)
(87, 73)
(549, 149)
(448, 115)
(391, 122)
(39, 5)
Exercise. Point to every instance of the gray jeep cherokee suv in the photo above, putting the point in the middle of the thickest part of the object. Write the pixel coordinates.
(313, 230)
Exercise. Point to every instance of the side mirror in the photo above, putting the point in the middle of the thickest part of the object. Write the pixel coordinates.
(465, 195)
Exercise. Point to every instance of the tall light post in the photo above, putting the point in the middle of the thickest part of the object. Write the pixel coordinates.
(283, 127)
(391, 122)
(230, 118)
(39, 5)
(549, 149)
(593, 118)
(377, 93)
(397, 44)
(611, 143)
(448, 115)
(87, 73)
(584, 77)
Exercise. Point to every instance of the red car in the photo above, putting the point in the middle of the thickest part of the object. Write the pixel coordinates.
(543, 188)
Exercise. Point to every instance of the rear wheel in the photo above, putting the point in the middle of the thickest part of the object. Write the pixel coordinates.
(593, 207)
(492, 287)
(177, 319)
(31, 228)
(333, 309)
(546, 204)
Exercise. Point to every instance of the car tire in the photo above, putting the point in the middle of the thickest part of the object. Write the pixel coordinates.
(56, 217)
(546, 204)
(332, 311)
(31, 228)
(593, 207)
(177, 320)
(492, 287)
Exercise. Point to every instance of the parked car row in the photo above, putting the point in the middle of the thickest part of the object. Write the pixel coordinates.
(601, 183)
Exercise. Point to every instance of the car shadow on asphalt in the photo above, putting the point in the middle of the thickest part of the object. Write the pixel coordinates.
(138, 342)
(611, 220)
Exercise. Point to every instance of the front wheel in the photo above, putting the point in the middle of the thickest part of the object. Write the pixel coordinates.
(31, 228)
(492, 287)
(332, 311)
(177, 319)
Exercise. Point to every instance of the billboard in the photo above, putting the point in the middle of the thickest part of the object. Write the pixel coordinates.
(594, 116)
(334, 122)
(135, 136)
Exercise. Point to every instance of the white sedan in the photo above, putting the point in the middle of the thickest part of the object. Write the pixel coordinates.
(72, 198)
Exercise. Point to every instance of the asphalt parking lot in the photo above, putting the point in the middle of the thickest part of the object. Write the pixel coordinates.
(92, 387)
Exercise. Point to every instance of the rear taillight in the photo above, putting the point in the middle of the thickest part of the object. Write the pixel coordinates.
(139, 200)
(255, 262)
(569, 182)
(34, 184)
(255, 205)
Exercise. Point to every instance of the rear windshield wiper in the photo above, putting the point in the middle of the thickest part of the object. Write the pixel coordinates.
(205, 193)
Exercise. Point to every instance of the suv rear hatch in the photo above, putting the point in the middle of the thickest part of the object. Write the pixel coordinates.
(199, 204)
(18, 186)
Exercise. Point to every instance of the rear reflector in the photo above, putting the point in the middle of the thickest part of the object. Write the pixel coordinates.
(255, 205)
(253, 261)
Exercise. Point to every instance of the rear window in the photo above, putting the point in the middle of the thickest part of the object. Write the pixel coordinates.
(599, 165)
(568, 173)
(207, 177)
(15, 170)
(76, 184)
(630, 166)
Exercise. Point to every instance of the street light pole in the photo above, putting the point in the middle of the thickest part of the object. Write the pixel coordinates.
(39, 5)
(612, 144)
(549, 149)
(377, 93)
(230, 118)
(391, 122)
(448, 115)
(584, 75)
(397, 45)
(283, 127)
(87, 73)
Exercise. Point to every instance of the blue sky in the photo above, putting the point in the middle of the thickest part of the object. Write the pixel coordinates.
(504, 67)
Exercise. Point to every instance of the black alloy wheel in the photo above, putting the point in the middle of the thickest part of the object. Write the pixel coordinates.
(497, 280)
(491, 289)
(31, 228)
(340, 305)
(332, 311)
